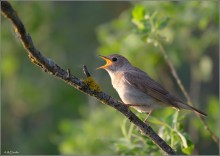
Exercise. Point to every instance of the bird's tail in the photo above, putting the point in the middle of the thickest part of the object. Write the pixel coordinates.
(185, 106)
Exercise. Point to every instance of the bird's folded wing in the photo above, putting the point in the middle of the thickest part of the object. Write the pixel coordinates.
(141, 81)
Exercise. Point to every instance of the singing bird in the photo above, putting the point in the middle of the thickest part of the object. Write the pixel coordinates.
(137, 89)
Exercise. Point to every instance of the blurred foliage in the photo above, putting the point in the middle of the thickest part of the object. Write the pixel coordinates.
(42, 115)
(170, 130)
(90, 134)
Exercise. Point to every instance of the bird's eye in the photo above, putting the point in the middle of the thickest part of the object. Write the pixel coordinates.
(114, 59)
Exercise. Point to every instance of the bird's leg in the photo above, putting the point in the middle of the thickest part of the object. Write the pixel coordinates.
(147, 116)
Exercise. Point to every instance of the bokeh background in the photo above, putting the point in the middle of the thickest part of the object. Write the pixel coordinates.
(42, 115)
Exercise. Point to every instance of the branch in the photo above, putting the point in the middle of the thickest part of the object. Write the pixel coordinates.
(182, 88)
(52, 68)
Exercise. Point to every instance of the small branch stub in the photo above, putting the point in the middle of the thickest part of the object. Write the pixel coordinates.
(68, 74)
(86, 72)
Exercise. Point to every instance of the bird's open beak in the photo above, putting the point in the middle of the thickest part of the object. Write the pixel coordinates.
(108, 62)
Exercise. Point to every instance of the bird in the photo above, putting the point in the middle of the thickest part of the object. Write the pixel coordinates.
(138, 90)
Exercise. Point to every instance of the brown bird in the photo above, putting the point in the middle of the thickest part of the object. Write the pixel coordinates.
(137, 89)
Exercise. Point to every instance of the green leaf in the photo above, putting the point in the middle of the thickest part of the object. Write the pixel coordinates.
(175, 120)
(130, 131)
(183, 139)
(138, 13)
(123, 129)
(163, 22)
(158, 122)
(188, 150)
(138, 16)
(139, 24)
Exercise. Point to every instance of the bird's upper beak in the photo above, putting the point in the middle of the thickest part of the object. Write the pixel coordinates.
(108, 62)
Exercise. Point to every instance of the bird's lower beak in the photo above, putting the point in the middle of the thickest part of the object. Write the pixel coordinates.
(108, 62)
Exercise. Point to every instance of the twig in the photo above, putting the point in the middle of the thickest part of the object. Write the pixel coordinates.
(182, 88)
(86, 72)
(52, 68)
(174, 73)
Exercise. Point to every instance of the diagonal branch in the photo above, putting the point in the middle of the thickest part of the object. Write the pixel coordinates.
(52, 68)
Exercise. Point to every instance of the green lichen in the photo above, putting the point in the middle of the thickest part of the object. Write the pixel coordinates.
(92, 84)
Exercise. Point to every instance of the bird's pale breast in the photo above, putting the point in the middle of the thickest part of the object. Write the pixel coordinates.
(131, 95)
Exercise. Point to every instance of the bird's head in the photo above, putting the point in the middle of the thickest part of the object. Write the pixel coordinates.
(114, 63)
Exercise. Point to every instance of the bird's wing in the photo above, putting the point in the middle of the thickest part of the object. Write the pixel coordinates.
(142, 81)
